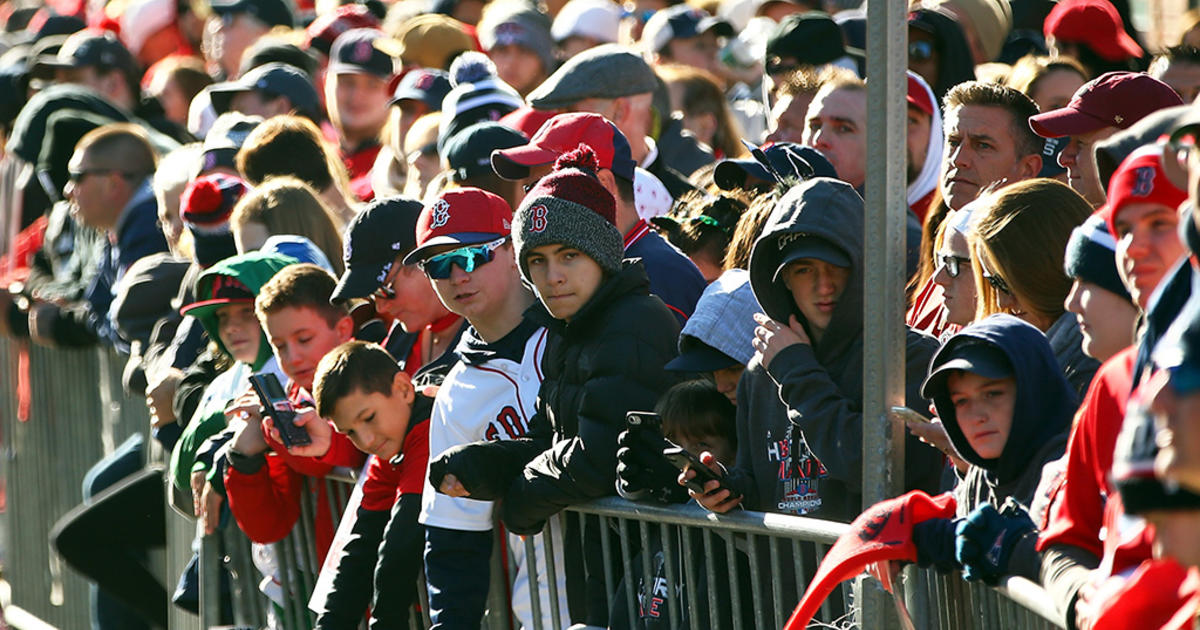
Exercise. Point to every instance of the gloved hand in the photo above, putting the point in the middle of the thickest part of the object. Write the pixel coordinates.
(643, 474)
(934, 540)
(470, 466)
(984, 541)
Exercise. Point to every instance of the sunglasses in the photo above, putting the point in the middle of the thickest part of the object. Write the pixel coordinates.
(954, 264)
(467, 258)
(998, 283)
(77, 176)
(920, 51)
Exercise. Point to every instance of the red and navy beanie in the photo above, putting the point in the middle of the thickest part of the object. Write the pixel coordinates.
(571, 207)
(205, 207)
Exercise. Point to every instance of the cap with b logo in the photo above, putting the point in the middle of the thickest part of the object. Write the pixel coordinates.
(464, 216)
(563, 133)
(355, 52)
(1140, 179)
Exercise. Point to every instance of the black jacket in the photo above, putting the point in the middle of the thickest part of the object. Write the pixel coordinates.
(606, 361)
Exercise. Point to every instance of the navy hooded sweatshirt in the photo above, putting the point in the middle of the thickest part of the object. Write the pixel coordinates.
(819, 460)
(1042, 415)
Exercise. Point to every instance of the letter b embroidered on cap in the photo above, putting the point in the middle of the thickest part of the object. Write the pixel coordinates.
(538, 222)
(441, 214)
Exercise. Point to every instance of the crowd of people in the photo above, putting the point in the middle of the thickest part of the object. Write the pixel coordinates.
(468, 238)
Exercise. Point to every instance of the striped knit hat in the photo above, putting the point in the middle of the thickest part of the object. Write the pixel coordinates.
(205, 207)
(1091, 256)
(571, 207)
(478, 95)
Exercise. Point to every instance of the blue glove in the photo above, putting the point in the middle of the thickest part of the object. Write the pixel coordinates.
(984, 541)
(934, 540)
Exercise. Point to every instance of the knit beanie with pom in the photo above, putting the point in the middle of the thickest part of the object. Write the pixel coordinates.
(571, 207)
(478, 95)
(205, 207)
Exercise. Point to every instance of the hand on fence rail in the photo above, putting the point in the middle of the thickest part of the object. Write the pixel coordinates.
(206, 502)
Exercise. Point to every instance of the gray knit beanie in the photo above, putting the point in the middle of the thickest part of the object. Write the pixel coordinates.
(521, 24)
(571, 207)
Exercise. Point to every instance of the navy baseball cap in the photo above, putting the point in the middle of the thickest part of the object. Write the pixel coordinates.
(801, 245)
(969, 354)
(88, 49)
(423, 84)
(681, 21)
(275, 79)
(269, 12)
(354, 52)
(697, 356)
(788, 159)
(385, 230)
(469, 152)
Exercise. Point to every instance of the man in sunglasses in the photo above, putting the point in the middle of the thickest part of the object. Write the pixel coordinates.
(108, 188)
(464, 248)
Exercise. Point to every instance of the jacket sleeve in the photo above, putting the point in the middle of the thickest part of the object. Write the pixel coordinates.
(832, 423)
(741, 476)
(487, 469)
(1065, 569)
(350, 596)
(265, 504)
(399, 564)
(1076, 514)
(626, 374)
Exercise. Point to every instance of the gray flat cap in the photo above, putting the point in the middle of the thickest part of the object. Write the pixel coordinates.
(607, 71)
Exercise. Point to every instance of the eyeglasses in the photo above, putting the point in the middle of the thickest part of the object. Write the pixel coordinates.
(953, 264)
(998, 283)
(920, 51)
(467, 258)
(76, 176)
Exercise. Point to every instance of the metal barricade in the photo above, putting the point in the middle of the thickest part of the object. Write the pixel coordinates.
(77, 414)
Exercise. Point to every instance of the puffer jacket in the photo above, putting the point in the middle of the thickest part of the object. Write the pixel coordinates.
(605, 362)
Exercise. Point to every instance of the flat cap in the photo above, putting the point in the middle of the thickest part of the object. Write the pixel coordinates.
(606, 71)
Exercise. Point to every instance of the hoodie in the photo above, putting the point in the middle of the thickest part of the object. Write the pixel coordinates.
(253, 270)
(821, 384)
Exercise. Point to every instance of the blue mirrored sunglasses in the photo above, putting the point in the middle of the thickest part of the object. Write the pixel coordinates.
(467, 258)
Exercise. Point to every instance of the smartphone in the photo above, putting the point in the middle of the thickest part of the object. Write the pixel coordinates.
(275, 403)
(909, 415)
(681, 459)
(643, 421)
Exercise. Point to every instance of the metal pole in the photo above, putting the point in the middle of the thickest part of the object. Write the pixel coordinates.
(883, 317)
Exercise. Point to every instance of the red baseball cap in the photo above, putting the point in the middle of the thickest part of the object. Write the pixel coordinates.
(563, 133)
(918, 96)
(463, 216)
(526, 119)
(1092, 22)
(1113, 99)
(1139, 179)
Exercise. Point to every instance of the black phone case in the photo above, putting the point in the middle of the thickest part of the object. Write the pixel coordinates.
(275, 404)
(681, 459)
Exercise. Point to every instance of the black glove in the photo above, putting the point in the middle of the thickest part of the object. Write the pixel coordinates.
(643, 474)
(984, 540)
(467, 463)
(934, 539)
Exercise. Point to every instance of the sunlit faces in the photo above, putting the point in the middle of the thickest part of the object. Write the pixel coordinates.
(980, 150)
(983, 408)
(239, 332)
(376, 422)
(1105, 319)
(518, 66)
(788, 116)
(1055, 89)
(956, 278)
(1183, 77)
(1079, 160)
(1177, 420)
(1148, 246)
(836, 126)
(410, 298)
(726, 380)
(300, 336)
(816, 286)
(564, 278)
(917, 141)
(358, 104)
(479, 293)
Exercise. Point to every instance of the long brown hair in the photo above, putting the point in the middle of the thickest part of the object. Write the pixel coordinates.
(286, 205)
(1022, 231)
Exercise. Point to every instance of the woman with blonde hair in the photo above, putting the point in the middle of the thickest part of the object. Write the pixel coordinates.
(286, 205)
(1018, 238)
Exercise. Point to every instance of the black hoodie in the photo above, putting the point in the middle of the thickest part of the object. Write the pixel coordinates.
(822, 384)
